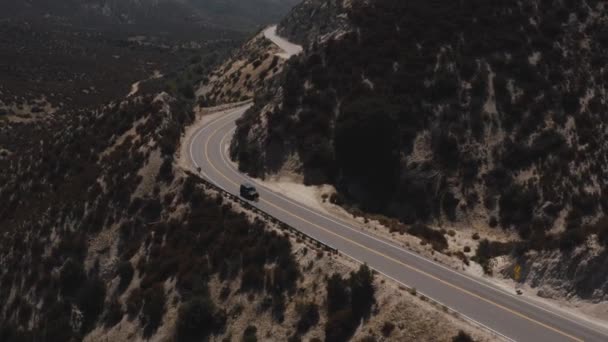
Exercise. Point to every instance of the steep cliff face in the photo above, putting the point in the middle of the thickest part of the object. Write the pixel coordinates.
(448, 112)
(580, 272)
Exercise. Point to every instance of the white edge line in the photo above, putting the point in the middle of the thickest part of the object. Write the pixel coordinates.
(203, 129)
(465, 317)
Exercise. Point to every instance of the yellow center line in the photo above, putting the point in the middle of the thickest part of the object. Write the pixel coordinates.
(456, 287)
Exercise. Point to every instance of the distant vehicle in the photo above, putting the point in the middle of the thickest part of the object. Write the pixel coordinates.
(249, 192)
(518, 291)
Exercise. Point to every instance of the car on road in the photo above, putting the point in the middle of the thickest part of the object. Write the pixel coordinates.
(249, 192)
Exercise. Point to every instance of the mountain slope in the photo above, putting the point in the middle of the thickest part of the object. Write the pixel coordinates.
(103, 237)
(452, 112)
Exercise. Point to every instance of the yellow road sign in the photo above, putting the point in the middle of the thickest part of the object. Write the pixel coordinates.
(517, 272)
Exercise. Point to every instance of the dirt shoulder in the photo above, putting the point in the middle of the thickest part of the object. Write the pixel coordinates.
(458, 237)
(412, 316)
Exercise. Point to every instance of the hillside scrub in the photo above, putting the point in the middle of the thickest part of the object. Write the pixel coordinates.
(348, 302)
(462, 337)
(250, 334)
(99, 210)
(309, 317)
(487, 250)
(64, 175)
(103, 234)
(434, 111)
(198, 318)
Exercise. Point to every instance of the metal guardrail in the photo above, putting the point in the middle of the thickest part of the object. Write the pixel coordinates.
(284, 226)
(248, 206)
(224, 107)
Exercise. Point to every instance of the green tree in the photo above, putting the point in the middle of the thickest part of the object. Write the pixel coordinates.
(337, 293)
(367, 149)
(340, 326)
(249, 335)
(309, 317)
(125, 272)
(90, 300)
(71, 277)
(462, 337)
(197, 320)
(362, 292)
(154, 309)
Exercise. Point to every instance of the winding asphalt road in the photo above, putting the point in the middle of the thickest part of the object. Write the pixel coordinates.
(289, 49)
(508, 316)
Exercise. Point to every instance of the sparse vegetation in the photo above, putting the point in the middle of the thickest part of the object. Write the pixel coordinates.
(462, 337)
(113, 314)
(125, 272)
(249, 335)
(309, 317)
(387, 329)
(434, 237)
(90, 300)
(81, 189)
(487, 250)
(91, 212)
(452, 123)
(348, 302)
(197, 319)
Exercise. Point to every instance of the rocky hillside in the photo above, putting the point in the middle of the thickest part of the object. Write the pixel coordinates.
(249, 69)
(104, 237)
(452, 113)
(316, 21)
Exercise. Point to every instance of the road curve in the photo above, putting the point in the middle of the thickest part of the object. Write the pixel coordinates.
(289, 48)
(509, 316)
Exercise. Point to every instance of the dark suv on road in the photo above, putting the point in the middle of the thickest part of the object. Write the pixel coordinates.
(249, 192)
